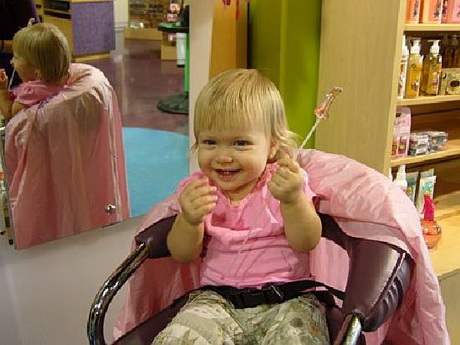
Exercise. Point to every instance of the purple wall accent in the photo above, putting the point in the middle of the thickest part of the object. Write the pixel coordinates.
(93, 27)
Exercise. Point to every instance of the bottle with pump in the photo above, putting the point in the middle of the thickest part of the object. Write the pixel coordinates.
(430, 227)
(400, 179)
(403, 69)
(456, 52)
(450, 52)
(432, 65)
(414, 70)
(442, 49)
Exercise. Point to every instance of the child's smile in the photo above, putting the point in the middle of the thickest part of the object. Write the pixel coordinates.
(234, 159)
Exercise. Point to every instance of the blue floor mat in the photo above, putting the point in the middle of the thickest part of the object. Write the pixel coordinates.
(156, 161)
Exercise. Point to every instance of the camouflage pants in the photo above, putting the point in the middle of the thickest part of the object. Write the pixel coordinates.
(209, 319)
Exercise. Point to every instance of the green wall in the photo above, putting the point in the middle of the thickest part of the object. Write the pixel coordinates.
(284, 45)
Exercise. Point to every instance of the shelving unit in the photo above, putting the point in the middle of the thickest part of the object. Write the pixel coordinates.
(144, 16)
(87, 24)
(360, 51)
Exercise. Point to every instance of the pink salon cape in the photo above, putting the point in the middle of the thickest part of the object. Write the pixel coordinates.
(65, 161)
(366, 205)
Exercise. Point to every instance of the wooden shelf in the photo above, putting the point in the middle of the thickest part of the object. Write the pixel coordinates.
(453, 149)
(51, 11)
(445, 257)
(143, 34)
(431, 27)
(428, 100)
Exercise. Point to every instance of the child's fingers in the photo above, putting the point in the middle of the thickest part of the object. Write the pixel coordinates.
(199, 191)
(289, 163)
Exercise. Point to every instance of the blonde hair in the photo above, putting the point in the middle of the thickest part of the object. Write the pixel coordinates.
(44, 47)
(242, 98)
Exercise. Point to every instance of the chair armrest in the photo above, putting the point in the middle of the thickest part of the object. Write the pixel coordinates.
(155, 238)
(378, 277)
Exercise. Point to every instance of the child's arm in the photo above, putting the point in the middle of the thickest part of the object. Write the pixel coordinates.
(8, 107)
(185, 240)
(302, 225)
(5, 101)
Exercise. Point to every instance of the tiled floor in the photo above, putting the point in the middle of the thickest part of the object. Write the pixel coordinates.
(141, 79)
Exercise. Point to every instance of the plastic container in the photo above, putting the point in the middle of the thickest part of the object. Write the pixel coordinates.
(431, 12)
(431, 75)
(414, 70)
(400, 179)
(430, 228)
(403, 69)
(453, 11)
(181, 48)
(451, 52)
(413, 11)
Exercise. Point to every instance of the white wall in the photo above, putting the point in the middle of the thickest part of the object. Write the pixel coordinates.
(121, 14)
(46, 291)
(201, 13)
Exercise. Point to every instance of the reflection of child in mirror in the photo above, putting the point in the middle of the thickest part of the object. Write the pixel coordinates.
(254, 204)
(41, 57)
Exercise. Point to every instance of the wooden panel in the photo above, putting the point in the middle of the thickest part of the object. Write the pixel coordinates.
(359, 43)
(65, 25)
(229, 37)
(428, 100)
(449, 291)
(143, 34)
(431, 27)
(168, 52)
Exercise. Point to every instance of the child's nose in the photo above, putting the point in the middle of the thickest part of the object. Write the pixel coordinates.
(223, 155)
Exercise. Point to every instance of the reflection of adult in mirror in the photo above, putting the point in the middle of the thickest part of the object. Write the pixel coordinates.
(41, 57)
(14, 15)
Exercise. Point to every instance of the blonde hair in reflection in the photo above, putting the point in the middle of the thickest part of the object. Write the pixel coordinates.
(45, 48)
(242, 98)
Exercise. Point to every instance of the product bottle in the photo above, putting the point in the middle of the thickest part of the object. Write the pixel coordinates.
(431, 11)
(414, 70)
(430, 228)
(413, 11)
(400, 179)
(450, 52)
(456, 56)
(431, 71)
(442, 49)
(444, 11)
(403, 69)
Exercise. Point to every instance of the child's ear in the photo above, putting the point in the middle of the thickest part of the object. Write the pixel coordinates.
(274, 147)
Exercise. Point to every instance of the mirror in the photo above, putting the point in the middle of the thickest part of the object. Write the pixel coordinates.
(140, 79)
(65, 164)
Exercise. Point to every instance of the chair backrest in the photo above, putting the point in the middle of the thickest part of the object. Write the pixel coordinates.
(65, 161)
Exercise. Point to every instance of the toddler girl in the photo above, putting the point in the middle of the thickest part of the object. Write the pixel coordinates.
(249, 213)
(41, 57)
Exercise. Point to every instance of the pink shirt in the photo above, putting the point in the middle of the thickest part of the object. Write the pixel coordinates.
(266, 256)
(33, 92)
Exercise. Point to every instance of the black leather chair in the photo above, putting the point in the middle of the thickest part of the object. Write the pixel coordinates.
(378, 278)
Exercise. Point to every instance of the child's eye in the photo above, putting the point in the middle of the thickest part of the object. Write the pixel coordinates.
(208, 142)
(241, 143)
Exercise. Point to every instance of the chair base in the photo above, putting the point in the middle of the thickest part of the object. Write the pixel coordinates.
(175, 104)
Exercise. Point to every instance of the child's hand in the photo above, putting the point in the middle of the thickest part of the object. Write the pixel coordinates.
(197, 199)
(286, 183)
(3, 80)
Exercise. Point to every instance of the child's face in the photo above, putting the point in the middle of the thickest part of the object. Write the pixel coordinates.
(26, 72)
(235, 159)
